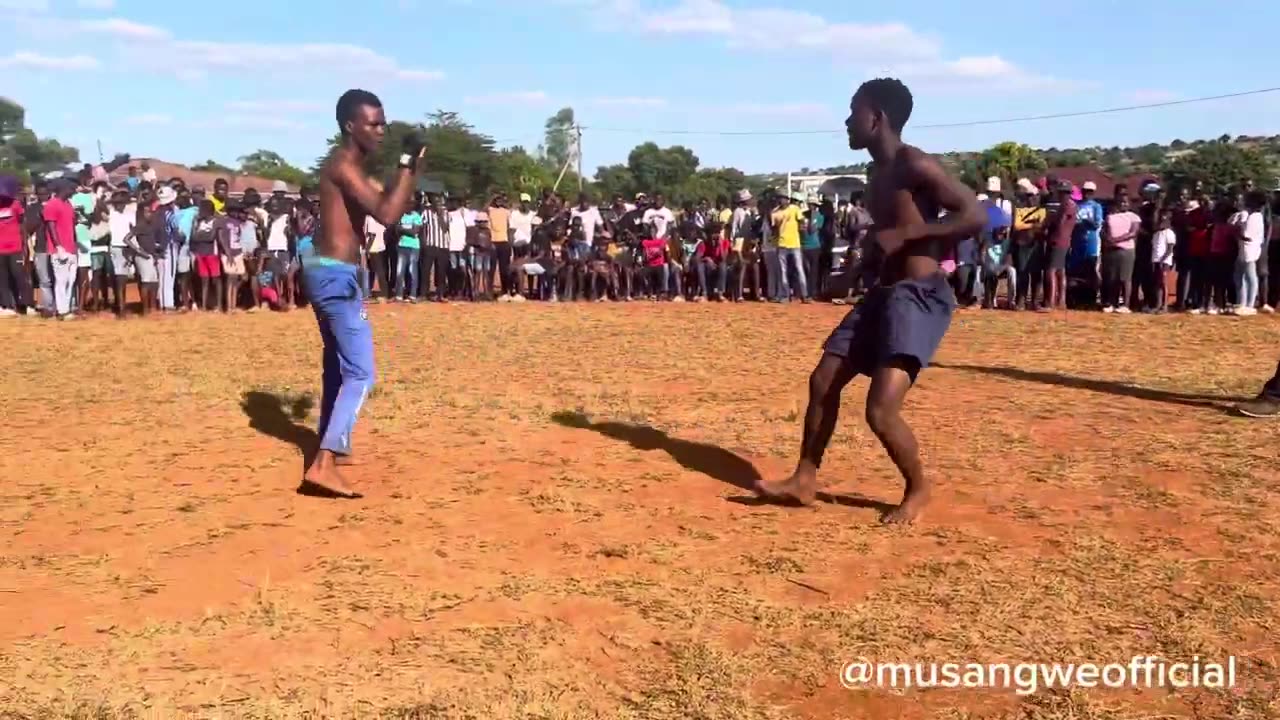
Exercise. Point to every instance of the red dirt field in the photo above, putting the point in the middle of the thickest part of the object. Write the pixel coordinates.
(556, 523)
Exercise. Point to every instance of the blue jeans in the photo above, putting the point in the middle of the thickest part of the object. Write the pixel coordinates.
(44, 278)
(722, 275)
(795, 258)
(1246, 283)
(771, 274)
(406, 261)
(334, 291)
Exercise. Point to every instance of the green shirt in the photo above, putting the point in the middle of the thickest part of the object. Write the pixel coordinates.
(84, 204)
(413, 220)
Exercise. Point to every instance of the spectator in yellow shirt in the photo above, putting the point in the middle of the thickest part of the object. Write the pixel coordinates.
(787, 222)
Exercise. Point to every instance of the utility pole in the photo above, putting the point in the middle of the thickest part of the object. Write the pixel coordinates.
(578, 149)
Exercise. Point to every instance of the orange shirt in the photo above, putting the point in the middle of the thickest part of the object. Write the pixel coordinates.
(499, 222)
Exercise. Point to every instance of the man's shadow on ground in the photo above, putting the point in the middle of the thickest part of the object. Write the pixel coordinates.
(1109, 387)
(711, 460)
(279, 416)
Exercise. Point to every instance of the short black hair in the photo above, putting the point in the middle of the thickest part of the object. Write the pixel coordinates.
(351, 100)
(890, 96)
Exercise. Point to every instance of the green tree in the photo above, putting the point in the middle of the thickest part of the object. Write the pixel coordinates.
(22, 152)
(516, 171)
(1150, 155)
(270, 165)
(1009, 161)
(615, 180)
(213, 166)
(1178, 144)
(559, 140)
(1219, 165)
(661, 170)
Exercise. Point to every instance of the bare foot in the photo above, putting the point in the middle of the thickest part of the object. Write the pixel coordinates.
(795, 490)
(329, 481)
(911, 509)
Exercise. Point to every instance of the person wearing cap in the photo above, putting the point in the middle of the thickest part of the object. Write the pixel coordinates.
(995, 193)
(786, 222)
(742, 246)
(13, 270)
(1086, 240)
(167, 252)
(811, 243)
(1062, 226)
(1028, 252)
(523, 219)
(480, 247)
(1141, 296)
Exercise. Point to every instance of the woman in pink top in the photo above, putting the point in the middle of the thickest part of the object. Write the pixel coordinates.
(1118, 255)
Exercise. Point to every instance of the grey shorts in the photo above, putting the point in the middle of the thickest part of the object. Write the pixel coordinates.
(906, 319)
(146, 269)
(121, 263)
(1117, 265)
(184, 259)
(1057, 258)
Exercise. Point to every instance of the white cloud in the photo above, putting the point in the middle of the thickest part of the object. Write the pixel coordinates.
(283, 106)
(524, 97)
(149, 119)
(1149, 96)
(36, 61)
(127, 29)
(966, 73)
(96, 4)
(635, 102)
(405, 74)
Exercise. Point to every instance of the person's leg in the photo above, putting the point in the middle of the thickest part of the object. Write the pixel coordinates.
(802, 278)
(771, 274)
(64, 285)
(783, 285)
(1011, 290)
(1267, 404)
(1249, 289)
(722, 277)
(889, 386)
(826, 382)
(44, 278)
(348, 372)
(702, 278)
(402, 270)
(8, 276)
(164, 268)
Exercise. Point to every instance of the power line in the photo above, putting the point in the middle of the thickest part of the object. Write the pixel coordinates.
(935, 126)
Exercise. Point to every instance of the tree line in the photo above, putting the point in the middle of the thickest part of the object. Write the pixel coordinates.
(465, 161)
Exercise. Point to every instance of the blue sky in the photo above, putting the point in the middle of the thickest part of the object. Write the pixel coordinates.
(190, 81)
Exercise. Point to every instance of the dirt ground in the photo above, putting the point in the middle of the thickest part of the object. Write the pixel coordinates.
(557, 524)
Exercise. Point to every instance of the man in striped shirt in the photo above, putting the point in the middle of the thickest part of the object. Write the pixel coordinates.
(435, 249)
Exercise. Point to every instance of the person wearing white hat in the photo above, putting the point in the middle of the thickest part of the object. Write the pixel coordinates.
(167, 253)
(1028, 249)
(1086, 242)
(742, 246)
(995, 194)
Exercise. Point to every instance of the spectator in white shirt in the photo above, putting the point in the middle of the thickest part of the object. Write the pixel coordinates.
(375, 244)
(591, 218)
(1250, 232)
(460, 220)
(659, 217)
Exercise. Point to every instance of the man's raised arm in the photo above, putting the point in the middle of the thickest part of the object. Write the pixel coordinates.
(386, 207)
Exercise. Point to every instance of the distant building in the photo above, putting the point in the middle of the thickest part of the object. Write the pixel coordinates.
(833, 187)
(165, 171)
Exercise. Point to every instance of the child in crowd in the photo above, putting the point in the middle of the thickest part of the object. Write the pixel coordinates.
(656, 256)
(1163, 244)
(711, 255)
(279, 239)
(232, 253)
(204, 252)
(1119, 248)
(251, 246)
(481, 246)
(268, 283)
(1250, 232)
(145, 240)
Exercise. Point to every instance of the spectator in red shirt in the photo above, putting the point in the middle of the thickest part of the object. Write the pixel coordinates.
(14, 290)
(1061, 226)
(1196, 223)
(60, 234)
(712, 254)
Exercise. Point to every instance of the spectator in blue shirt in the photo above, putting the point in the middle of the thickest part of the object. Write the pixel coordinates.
(1086, 239)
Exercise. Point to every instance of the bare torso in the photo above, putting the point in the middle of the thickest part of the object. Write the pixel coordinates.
(895, 199)
(341, 218)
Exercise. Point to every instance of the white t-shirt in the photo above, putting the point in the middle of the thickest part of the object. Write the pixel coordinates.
(522, 226)
(663, 217)
(1251, 230)
(120, 223)
(591, 220)
(277, 239)
(149, 175)
(459, 221)
(1162, 243)
(379, 233)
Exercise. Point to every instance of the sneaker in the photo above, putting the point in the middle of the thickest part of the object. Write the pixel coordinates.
(1122, 310)
(1259, 407)
(1108, 309)
(1212, 311)
(1195, 311)
(7, 313)
(699, 299)
(518, 299)
(678, 298)
(1268, 310)
(1246, 311)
